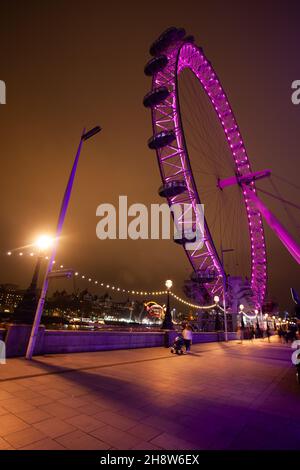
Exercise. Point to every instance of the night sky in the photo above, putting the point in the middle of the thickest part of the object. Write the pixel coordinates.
(70, 64)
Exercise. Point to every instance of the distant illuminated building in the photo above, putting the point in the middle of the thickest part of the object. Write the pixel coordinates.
(10, 297)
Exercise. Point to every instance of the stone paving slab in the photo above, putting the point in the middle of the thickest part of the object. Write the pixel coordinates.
(222, 396)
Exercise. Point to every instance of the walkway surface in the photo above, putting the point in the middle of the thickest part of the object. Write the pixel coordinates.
(222, 396)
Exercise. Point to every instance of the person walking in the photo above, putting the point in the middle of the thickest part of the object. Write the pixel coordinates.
(280, 334)
(187, 336)
(268, 331)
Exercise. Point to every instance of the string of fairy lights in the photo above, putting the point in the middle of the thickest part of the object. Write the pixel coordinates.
(142, 293)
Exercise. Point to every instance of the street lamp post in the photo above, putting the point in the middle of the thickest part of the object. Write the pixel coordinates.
(241, 308)
(217, 300)
(64, 206)
(167, 323)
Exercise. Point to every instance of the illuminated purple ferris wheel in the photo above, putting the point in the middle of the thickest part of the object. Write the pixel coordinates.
(175, 54)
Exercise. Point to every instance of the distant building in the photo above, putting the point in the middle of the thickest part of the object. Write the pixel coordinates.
(10, 297)
(25, 311)
(108, 308)
(87, 305)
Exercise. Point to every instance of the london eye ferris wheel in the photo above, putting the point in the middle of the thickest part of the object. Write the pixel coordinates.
(202, 159)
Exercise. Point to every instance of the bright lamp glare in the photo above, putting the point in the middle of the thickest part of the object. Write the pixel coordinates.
(43, 242)
(216, 299)
(168, 284)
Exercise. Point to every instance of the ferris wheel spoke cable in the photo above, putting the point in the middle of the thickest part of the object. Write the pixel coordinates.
(212, 147)
(198, 143)
(243, 243)
(235, 237)
(215, 217)
(286, 204)
(202, 108)
(214, 155)
(201, 126)
(279, 198)
(207, 116)
(290, 183)
(207, 158)
(231, 241)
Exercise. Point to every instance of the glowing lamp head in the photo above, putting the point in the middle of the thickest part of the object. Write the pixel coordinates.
(216, 299)
(44, 242)
(256, 311)
(242, 307)
(169, 284)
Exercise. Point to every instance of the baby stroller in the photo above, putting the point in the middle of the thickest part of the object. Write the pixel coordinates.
(177, 345)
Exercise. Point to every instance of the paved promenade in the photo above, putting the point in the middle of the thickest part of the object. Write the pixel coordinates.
(222, 396)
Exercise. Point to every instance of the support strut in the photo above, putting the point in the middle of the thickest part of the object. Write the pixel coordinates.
(292, 246)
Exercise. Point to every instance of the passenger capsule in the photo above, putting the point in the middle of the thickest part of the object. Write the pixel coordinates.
(189, 39)
(203, 276)
(156, 96)
(172, 188)
(189, 236)
(166, 39)
(157, 64)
